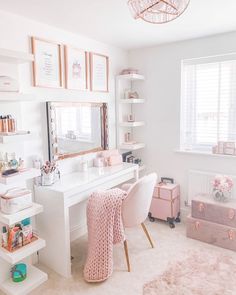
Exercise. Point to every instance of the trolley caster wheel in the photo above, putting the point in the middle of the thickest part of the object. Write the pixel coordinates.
(171, 220)
(171, 225)
(152, 219)
(177, 219)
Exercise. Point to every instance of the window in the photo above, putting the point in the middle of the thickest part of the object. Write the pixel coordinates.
(208, 102)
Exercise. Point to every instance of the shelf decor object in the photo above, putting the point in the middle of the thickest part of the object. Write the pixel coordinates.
(99, 72)
(35, 278)
(46, 64)
(157, 11)
(76, 76)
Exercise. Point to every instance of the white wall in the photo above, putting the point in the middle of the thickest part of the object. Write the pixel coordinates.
(161, 66)
(15, 32)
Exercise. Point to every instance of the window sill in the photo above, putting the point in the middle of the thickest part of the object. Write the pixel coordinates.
(199, 153)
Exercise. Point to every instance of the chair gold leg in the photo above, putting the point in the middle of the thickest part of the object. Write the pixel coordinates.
(127, 255)
(147, 234)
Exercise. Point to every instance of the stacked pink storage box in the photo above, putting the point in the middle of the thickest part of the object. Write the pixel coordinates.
(213, 222)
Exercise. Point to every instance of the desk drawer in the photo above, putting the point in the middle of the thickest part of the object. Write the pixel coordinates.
(72, 199)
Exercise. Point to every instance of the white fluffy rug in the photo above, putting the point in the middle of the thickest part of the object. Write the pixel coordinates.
(201, 273)
(146, 263)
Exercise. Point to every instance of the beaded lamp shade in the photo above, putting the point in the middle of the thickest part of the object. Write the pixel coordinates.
(157, 11)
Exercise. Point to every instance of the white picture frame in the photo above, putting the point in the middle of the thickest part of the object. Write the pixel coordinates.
(47, 70)
(99, 72)
(76, 74)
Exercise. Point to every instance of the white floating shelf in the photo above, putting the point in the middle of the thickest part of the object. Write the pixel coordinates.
(15, 57)
(20, 176)
(132, 124)
(35, 278)
(21, 215)
(131, 100)
(16, 96)
(132, 147)
(131, 77)
(23, 252)
(15, 137)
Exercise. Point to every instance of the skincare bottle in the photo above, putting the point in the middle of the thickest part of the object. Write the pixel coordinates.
(1, 124)
(4, 237)
(11, 124)
(4, 124)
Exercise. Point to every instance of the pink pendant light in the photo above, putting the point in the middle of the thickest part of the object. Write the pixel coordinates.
(157, 11)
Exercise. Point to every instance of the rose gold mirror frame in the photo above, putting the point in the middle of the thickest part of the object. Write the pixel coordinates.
(52, 138)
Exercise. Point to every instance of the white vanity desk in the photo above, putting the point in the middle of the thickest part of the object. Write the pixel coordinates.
(53, 224)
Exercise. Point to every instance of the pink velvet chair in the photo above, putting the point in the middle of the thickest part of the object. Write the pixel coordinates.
(136, 206)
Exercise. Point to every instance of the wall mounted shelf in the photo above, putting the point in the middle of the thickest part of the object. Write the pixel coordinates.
(35, 278)
(132, 124)
(131, 77)
(20, 176)
(4, 139)
(131, 100)
(126, 107)
(16, 96)
(10, 219)
(23, 252)
(15, 57)
(132, 147)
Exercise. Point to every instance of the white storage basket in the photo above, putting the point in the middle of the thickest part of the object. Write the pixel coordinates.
(15, 200)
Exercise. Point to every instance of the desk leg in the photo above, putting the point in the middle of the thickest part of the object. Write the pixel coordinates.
(53, 226)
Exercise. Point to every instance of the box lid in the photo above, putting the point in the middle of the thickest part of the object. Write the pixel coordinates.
(168, 186)
(205, 198)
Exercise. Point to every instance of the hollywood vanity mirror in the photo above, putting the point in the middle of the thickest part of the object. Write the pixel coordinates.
(76, 128)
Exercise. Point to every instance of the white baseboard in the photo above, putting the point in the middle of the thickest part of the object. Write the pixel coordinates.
(78, 231)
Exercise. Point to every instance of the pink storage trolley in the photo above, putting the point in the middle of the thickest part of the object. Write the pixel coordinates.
(166, 203)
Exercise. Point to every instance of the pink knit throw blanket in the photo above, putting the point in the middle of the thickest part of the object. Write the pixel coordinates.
(105, 228)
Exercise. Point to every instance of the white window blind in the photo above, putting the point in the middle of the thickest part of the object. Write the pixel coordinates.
(208, 102)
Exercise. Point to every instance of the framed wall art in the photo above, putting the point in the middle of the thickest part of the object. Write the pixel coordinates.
(99, 72)
(75, 69)
(47, 63)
